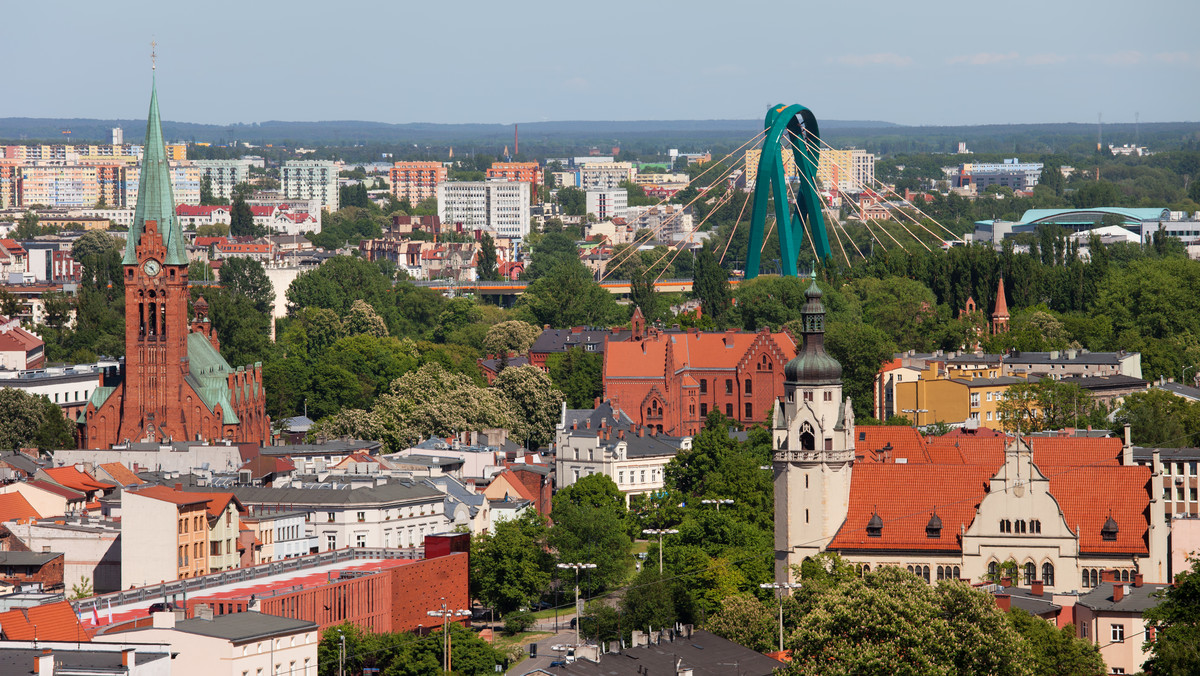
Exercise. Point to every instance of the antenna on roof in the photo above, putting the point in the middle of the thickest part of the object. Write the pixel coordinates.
(153, 55)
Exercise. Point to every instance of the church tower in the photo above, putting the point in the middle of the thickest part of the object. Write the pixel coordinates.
(813, 443)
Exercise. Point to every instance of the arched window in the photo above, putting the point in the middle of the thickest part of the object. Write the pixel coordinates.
(1086, 580)
(941, 573)
(808, 441)
(749, 387)
(957, 575)
(925, 573)
(1037, 526)
(1048, 574)
(992, 572)
(910, 569)
(1030, 572)
(1095, 578)
(1125, 575)
(1021, 526)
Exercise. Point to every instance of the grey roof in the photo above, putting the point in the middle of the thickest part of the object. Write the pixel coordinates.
(72, 660)
(1137, 599)
(331, 447)
(420, 460)
(618, 421)
(1035, 605)
(1180, 390)
(27, 558)
(245, 627)
(1167, 454)
(1113, 382)
(391, 492)
(20, 461)
(493, 365)
(1065, 356)
(602, 413)
(299, 423)
(999, 380)
(706, 654)
(561, 340)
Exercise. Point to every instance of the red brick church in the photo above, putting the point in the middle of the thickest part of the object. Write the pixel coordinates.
(174, 385)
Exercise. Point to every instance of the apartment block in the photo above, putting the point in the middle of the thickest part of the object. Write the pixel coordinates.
(164, 536)
(1012, 173)
(606, 204)
(502, 206)
(605, 175)
(416, 181)
(224, 174)
(529, 172)
(310, 180)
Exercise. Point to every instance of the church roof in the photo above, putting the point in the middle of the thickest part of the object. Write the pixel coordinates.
(207, 374)
(155, 200)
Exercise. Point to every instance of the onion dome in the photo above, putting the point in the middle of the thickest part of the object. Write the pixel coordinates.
(813, 366)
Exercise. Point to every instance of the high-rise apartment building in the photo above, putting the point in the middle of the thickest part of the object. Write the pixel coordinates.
(416, 181)
(529, 172)
(502, 206)
(311, 179)
(850, 171)
(606, 204)
(224, 174)
(605, 175)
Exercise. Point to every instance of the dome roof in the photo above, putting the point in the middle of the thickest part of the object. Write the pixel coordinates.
(813, 365)
(1109, 531)
(933, 529)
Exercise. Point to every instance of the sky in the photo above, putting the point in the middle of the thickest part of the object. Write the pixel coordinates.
(456, 61)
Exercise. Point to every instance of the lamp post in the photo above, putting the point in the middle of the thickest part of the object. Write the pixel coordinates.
(446, 613)
(578, 609)
(660, 532)
(779, 587)
(916, 414)
(1183, 371)
(718, 502)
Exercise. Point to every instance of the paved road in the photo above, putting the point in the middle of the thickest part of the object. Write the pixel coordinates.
(546, 655)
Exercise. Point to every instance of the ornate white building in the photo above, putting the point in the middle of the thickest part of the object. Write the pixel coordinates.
(964, 505)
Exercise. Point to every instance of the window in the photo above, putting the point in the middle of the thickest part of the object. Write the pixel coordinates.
(642, 477)
(992, 571)
(749, 411)
(974, 400)
(749, 388)
(360, 540)
(1030, 572)
(828, 396)
(621, 477)
(1048, 574)
(703, 410)
(989, 398)
(362, 516)
(329, 517)
(728, 386)
(331, 540)
(1118, 633)
(989, 415)
(1083, 628)
(808, 395)
(703, 386)
(729, 410)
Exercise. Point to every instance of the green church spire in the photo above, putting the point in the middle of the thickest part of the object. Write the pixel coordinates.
(155, 200)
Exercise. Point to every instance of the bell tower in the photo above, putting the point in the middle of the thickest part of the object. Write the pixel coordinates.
(156, 302)
(813, 444)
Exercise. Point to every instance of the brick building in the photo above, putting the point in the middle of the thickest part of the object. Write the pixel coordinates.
(175, 384)
(416, 181)
(671, 381)
(23, 568)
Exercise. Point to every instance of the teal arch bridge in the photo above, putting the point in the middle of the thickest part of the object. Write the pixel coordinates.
(788, 128)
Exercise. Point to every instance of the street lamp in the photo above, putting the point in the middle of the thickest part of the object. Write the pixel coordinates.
(660, 532)
(780, 586)
(916, 414)
(447, 613)
(578, 608)
(1184, 370)
(717, 502)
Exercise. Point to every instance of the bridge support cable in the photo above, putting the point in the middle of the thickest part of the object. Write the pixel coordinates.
(700, 193)
(836, 224)
(898, 221)
(721, 201)
(733, 233)
(821, 205)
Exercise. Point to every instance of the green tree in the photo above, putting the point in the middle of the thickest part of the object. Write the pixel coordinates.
(511, 566)
(578, 375)
(1176, 623)
(28, 421)
(532, 396)
(747, 621)
(206, 191)
(82, 589)
(1056, 652)
(487, 264)
(362, 320)
(572, 200)
(512, 336)
(590, 526)
(644, 296)
(861, 349)
(247, 277)
(94, 243)
(1158, 418)
(891, 622)
(213, 230)
(552, 250)
(710, 283)
(241, 219)
(10, 305)
(650, 600)
(568, 296)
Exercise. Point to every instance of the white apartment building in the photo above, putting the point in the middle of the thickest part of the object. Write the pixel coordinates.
(224, 175)
(606, 204)
(605, 175)
(310, 180)
(502, 206)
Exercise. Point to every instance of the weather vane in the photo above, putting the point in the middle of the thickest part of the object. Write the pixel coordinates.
(153, 55)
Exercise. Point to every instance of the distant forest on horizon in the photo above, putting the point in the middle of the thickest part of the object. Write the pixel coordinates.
(358, 141)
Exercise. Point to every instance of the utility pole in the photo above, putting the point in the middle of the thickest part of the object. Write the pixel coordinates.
(446, 614)
(660, 532)
(342, 655)
(578, 606)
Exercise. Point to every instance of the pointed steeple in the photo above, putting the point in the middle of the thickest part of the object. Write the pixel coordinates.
(1000, 313)
(155, 199)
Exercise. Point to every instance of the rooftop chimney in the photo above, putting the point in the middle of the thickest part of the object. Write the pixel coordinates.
(1004, 601)
(1108, 575)
(43, 664)
(129, 657)
(1138, 580)
(1036, 588)
(1006, 581)
(178, 486)
(1118, 592)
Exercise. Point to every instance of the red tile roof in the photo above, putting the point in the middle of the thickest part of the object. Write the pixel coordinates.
(173, 496)
(53, 622)
(61, 491)
(195, 210)
(210, 241)
(121, 474)
(15, 506)
(905, 497)
(74, 479)
(1087, 495)
(700, 350)
(12, 246)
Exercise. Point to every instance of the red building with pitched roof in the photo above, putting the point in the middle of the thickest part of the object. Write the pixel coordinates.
(670, 381)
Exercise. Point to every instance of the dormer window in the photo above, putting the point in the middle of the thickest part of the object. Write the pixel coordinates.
(1109, 532)
(875, 526)
(933, 529)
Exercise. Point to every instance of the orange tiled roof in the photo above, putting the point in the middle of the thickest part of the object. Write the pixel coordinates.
(15, 506)
(872, 442)
(1088, 494)
(171, 495)
(53, 622)
(714, 350)
(121, 474)
(905, 497)
(76, 480)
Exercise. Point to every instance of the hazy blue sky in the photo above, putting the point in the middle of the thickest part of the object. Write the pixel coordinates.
(930, 62)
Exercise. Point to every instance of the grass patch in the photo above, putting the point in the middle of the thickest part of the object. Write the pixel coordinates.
(523, 639)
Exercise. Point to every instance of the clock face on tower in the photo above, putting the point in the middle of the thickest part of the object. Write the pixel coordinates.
(151, 267)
